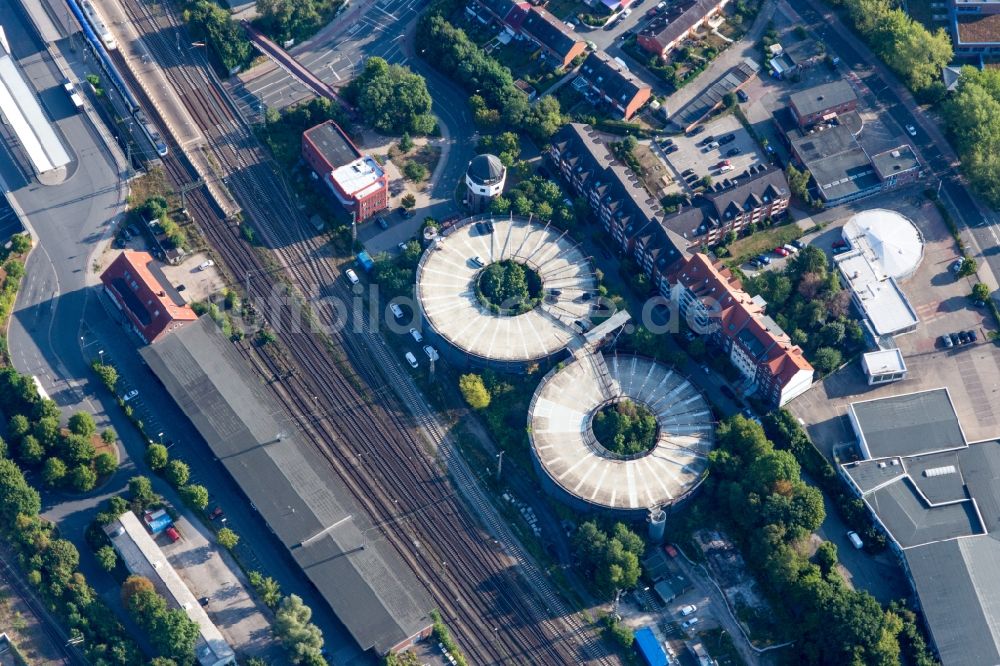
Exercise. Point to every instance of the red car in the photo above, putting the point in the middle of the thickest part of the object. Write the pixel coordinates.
(839, 243)
(173, 534)
(722, 164)
(216, 512)
(781, 252)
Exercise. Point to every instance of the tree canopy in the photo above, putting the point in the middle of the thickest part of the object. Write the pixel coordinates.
(509, 287)
(474, 391)
(392, 98)
(625, 427)
(972, 117)
(302, 639)
(610, 559)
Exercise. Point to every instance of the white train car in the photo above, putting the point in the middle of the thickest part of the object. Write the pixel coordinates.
(97, 23)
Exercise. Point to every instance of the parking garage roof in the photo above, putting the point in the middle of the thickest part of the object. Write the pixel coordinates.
(563, 442)
(371, 590)
(446, 289)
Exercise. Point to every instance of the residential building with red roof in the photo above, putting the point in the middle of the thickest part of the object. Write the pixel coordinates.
(522, 21)
(975, 27)
(147, 300)
(712, 301)
(667, 30)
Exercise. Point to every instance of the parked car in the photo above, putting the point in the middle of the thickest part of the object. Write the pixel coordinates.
(839, 243)
(670, 149)
(711, 146)
(687, 610)
(733, 152)
(131, 395)
(755, 263)
(791, 248)
(690, 623)
(911, 130)
(203, 601)
(411, 359)
(764, 259)
(956, 266)
(722, 164)
(478, 261)
(729, 138)
(963, 337)
(216, 513)
(172, 534)
(697, 130)
(397, 311)
(381, 221)
(781, 252)
(798, 243)
(855, 540)
(742, 95)
(954, 339)
(687, 172)
(432, 353)
(415, 334)
(707, 140)
(352, 277)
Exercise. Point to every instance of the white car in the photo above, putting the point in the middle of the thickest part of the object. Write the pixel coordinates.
(687, 610)
(432, 353)
(411, 359)
(626, 13)
(351, 276)
(416, 335)
(911, 130)
(130, 395)
(478, 261)
(206, 264)
(690, 623)
(397, 311)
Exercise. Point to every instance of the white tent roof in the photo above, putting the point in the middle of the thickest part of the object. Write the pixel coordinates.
(890, 242)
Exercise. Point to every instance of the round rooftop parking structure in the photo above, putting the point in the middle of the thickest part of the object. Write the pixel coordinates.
(579, 470)
(450, 291)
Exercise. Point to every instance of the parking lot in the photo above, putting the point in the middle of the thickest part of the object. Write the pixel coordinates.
(693, 155)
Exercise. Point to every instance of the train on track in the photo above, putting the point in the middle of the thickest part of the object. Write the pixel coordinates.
(98, 25)
(101, 41)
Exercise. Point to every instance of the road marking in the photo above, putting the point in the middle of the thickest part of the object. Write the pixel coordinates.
(392, 16)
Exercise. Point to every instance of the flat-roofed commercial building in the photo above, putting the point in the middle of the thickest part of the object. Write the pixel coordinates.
(143, 557)
(356, 180)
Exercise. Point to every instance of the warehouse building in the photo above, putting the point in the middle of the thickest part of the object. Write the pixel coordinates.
(371, 590)
(355, 180)
(937, 497)
(142, 556)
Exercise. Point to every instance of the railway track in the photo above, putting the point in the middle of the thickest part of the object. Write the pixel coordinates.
(495, 598)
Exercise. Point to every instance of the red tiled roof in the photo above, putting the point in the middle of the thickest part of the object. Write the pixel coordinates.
(148, 303)
(978, 29)
(738, 312)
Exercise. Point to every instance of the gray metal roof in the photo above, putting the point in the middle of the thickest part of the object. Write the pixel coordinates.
(369, 588)
(820, 98)
(907, 425)
(958, 583)
(486, 169)
(913, 522)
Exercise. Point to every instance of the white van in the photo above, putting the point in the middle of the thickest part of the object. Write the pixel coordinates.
(725, 168)
(690, 623)
(855, 540)
(352, 276)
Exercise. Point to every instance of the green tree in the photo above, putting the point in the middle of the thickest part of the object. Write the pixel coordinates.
(20, 243)
(980, 292)
(76, 449)
(157, 456)
(826, 557)
(82, 478)
(227, 538)
(408, 201)
(827, 359)
(415, 171)
(611, 561)
(53, 472)
(267, 588)
(968, 267)
(82, 424)
(30, 451)
(625, 428)
(406, 143)
(18, 426)
(302, 639)
(214, 24)
(108, 436)
(105, 464)
(107, 558)
(195, 495)
(392, 98)
(107, 374)
(177, 473)
(141, 493)
(474, 391)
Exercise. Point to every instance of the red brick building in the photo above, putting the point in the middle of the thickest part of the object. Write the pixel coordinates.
(355, 180)
(614, 85)
(824, 102)
(668, 29)
(145, 297)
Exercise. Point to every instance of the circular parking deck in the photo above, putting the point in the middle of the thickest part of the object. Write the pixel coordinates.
(581, 471)
(446, 279)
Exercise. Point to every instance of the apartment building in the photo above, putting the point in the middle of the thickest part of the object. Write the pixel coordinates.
(975, 27)
(667, 30)
(611, 82)
(711, 299)
(523, 21)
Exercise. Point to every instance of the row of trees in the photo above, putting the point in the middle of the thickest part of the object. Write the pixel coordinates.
(972, 118)
(771, 512)
(914, 52)
(50, 563)
(171, 633)
(297, 20)
(494, 98)
(812, 307)
(392, 98)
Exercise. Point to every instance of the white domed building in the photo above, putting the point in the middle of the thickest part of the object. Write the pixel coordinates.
(484, 180)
